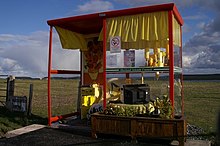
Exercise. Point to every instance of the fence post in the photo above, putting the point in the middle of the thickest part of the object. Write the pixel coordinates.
(10, 87)
(30, 100)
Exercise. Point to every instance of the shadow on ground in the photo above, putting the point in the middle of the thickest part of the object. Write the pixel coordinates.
(13, 120)
(21, 118)
(52, 137)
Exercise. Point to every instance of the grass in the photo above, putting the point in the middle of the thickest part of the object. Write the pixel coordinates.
(64, 95)
(12, 120)
(202, 102)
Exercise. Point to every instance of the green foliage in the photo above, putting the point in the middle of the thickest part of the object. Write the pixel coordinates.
(124, 110)
(164, 106)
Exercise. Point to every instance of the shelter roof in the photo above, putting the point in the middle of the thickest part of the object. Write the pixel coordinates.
(92, 23)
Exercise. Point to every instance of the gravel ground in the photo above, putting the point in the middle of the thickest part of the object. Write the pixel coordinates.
(197, 133)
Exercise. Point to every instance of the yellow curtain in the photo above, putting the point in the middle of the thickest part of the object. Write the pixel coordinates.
(71, 40)
(176, 32)
(148, 30)
(139, 31)
(142, 30)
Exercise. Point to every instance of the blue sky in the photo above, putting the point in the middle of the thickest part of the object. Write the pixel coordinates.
(24, 33)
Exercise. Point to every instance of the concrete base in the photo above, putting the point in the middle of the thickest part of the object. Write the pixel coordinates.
(23, 130)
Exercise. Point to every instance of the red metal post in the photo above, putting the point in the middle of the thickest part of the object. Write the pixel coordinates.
(104, 63)
(49, 75)
(127, 75)
(81, 82)
(65, 72)
(56, 118)
(81, 68)
(171, 53)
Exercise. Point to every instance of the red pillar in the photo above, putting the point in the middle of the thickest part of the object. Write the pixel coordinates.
(49, 75)
(104, 63)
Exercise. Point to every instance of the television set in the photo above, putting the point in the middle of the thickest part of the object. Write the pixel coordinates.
(136, 93)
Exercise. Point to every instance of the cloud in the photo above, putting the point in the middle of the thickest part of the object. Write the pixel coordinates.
(95, 6)
(211, 5)
(25, 51)
(26, 55)
(185, 3)
(207, 5)
(195, 17)
(7, 66)
(141, 2)
(202, 51)
(201, 25)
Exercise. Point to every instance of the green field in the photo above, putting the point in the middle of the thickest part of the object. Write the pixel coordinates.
(202, 102)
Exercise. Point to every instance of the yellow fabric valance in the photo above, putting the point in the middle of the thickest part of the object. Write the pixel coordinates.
(71, 40)
(143, 30)
(148, 30)
(139, 31)
(176, 32)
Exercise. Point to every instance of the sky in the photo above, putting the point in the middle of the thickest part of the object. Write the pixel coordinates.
(24, 33)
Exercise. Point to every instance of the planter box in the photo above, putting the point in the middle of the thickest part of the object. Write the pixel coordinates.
(173, 129)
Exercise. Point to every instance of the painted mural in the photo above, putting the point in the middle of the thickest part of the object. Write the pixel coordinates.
(93, 62)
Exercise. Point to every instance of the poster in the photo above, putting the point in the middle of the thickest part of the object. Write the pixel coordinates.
(129, 58)
(115, 44)
(112, 60)
(93, 62)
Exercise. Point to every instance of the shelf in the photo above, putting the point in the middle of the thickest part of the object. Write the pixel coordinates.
(142, 69)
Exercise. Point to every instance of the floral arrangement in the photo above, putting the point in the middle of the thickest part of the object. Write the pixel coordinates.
(160, 107)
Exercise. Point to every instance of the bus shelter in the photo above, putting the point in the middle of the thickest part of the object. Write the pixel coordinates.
(154, 29)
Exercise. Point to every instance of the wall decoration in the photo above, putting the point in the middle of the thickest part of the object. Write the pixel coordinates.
(129, 58)
(93, 64)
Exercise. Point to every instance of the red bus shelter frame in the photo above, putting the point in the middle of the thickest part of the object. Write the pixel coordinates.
(97, 21)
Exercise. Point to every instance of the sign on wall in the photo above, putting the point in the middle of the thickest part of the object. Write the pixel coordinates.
(115, 44)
